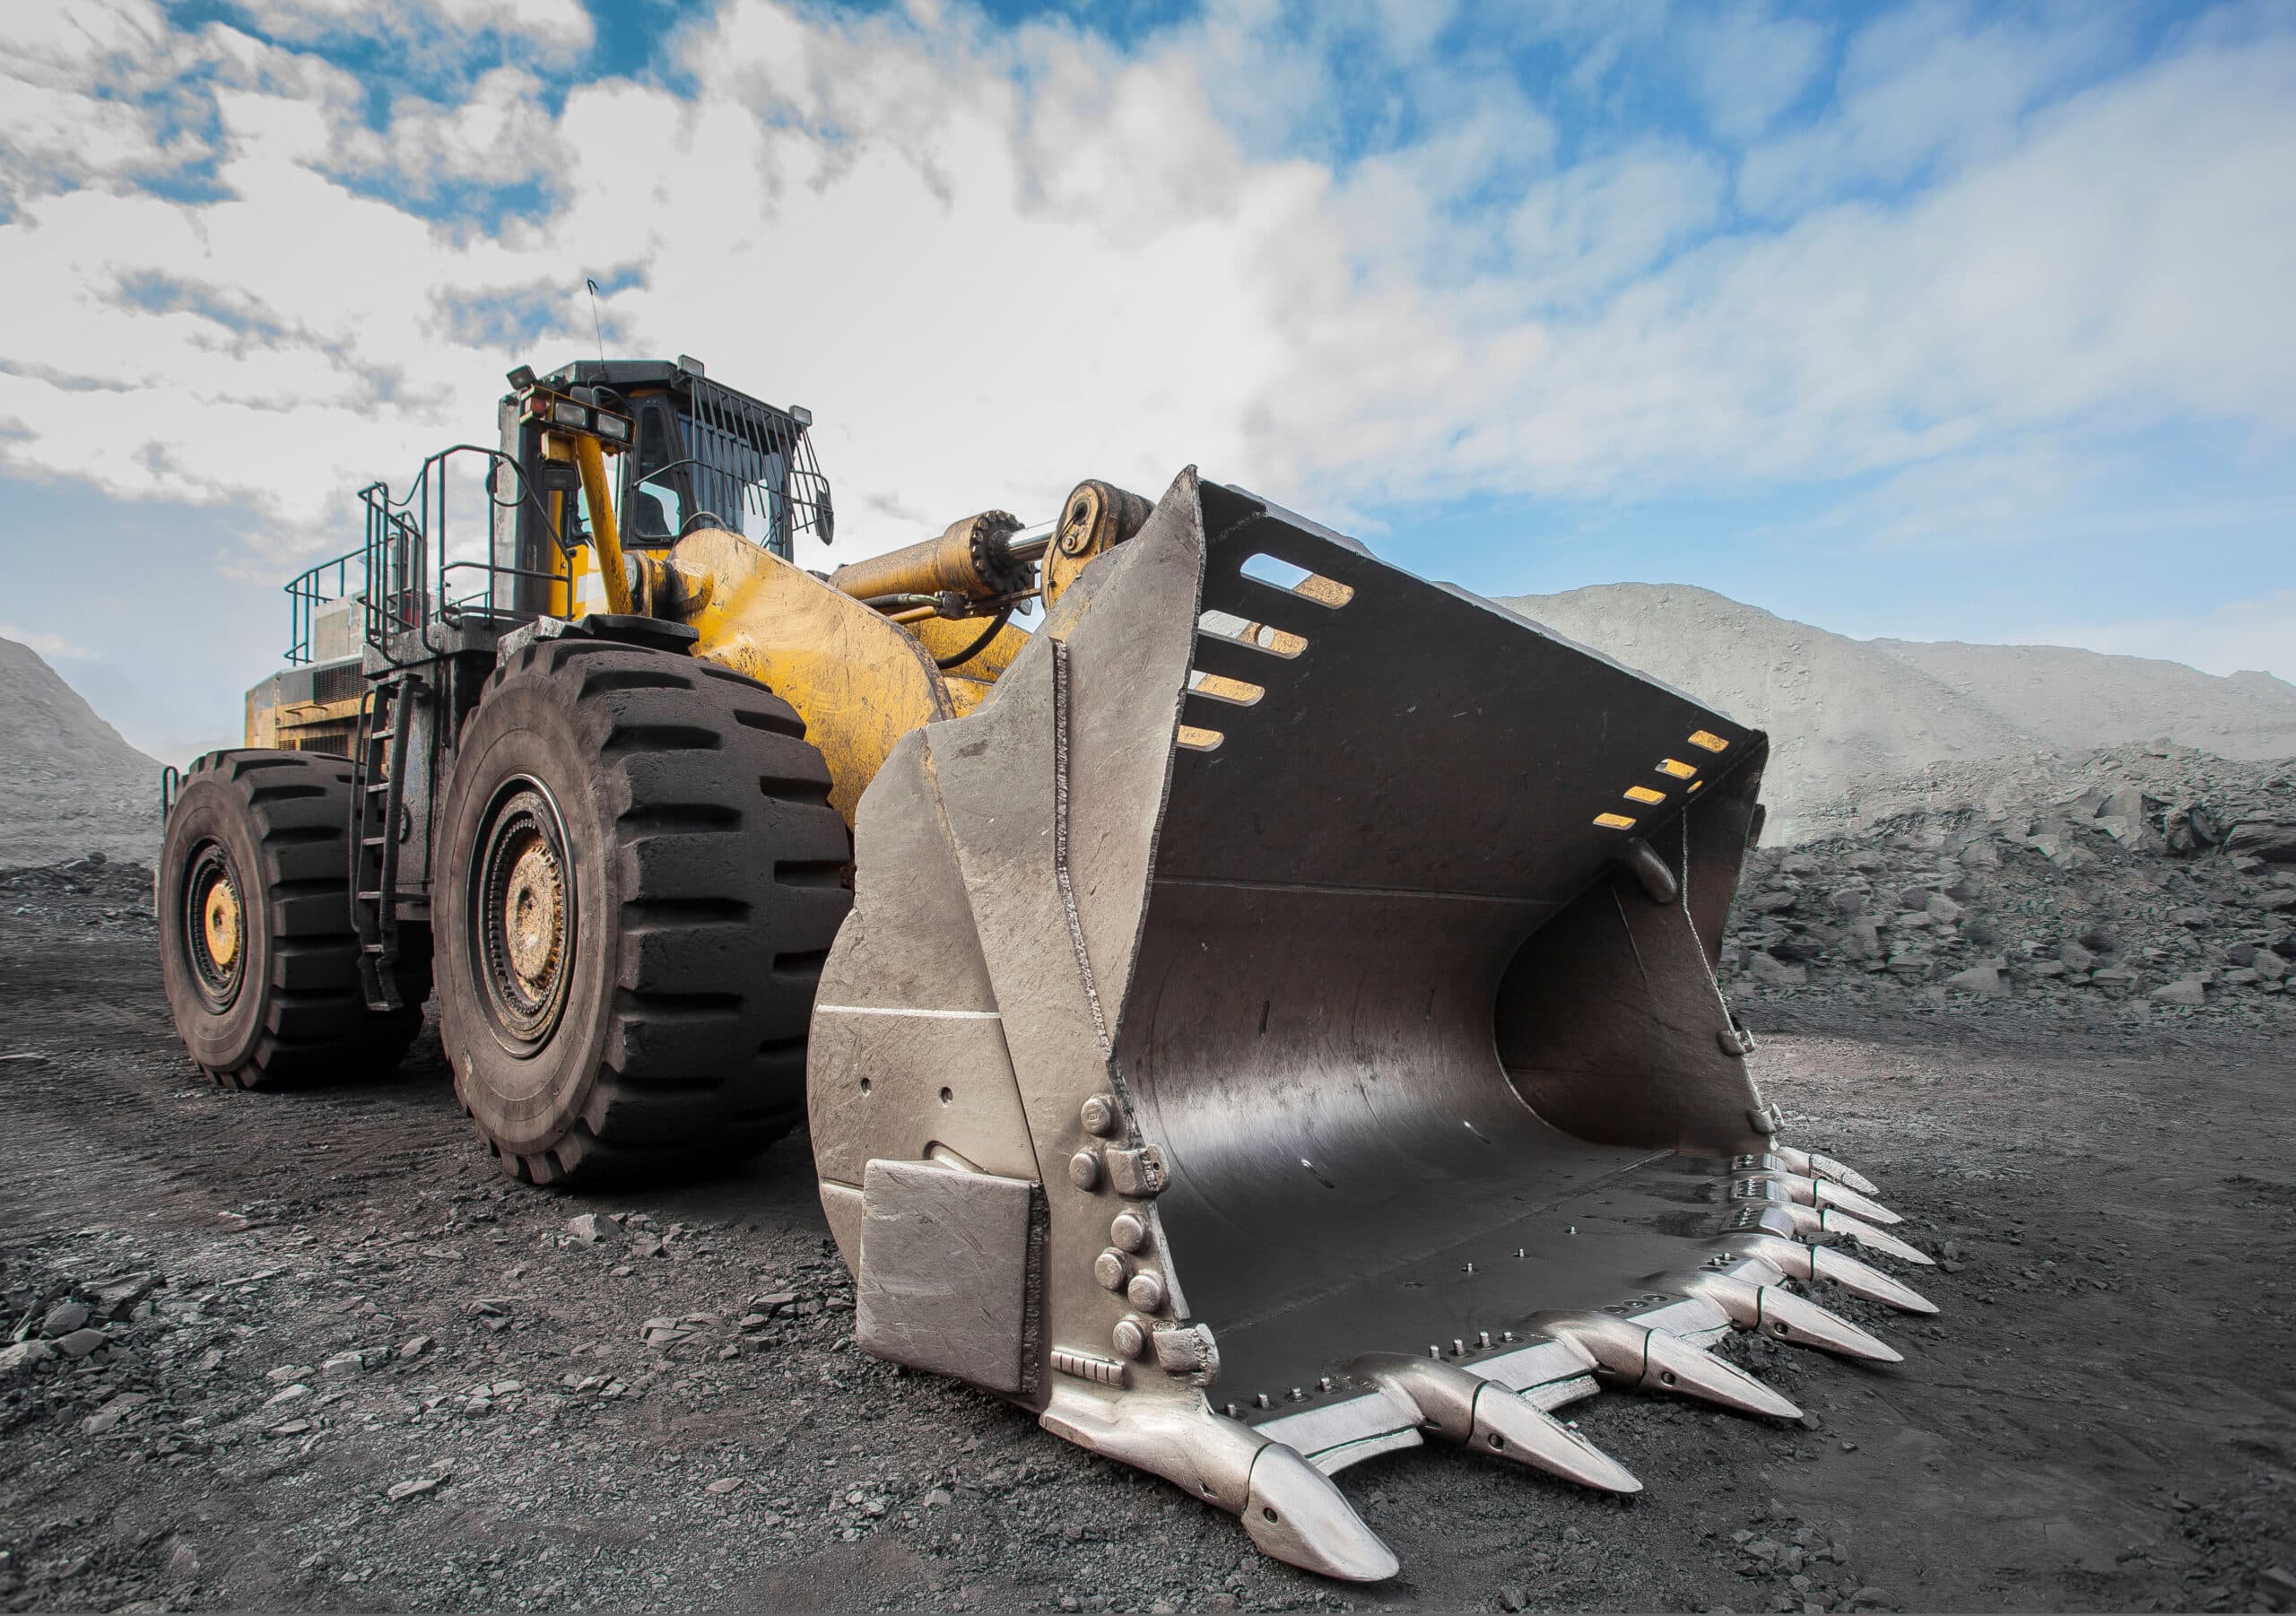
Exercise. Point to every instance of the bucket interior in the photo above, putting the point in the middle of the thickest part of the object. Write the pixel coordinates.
(1373, 1081)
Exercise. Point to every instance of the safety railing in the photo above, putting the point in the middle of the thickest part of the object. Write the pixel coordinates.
(321, 586)
(430, 559)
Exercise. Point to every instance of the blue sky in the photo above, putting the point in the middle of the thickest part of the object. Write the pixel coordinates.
(1925, 319)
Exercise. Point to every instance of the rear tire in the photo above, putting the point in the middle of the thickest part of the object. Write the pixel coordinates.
(257, 947)
(641, 878)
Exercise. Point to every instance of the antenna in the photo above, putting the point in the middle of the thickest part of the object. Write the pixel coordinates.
(596, 329)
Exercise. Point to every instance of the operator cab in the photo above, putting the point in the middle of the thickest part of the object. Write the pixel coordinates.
(680, 453)
(700, 454)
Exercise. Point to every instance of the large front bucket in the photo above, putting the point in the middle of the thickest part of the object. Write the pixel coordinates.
(1280, 1025)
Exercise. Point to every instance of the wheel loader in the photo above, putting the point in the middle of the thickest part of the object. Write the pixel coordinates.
(1262, 1018)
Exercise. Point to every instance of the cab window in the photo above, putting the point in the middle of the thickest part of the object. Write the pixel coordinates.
(656, 511)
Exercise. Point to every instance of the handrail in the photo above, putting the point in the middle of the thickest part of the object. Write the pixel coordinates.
(407, 551)
(306, 594)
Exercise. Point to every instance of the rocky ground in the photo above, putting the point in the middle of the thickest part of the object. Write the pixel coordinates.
(310, 1350)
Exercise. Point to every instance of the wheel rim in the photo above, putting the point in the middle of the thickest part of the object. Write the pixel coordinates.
(215, 926)
(522, 908)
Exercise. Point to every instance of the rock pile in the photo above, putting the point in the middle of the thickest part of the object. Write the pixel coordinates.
(1795, 1564)
(69, 1322)
(2165, 884)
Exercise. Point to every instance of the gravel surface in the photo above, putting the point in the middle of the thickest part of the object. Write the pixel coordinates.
(310, 1350)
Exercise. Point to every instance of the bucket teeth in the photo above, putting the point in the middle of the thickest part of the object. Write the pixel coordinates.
(1507, 1426)
(1676, 1366)
(1799, 1320)
(1489, 1419)
(1290, 1508)
(1767, 1192)
(1830, 1193)
(1636, 1355)
(1800, 1261)
(1866, 1234)
(1776, 1312)
(1822, 1193)
(1811, 1164)
(1826, 1167)
(1863, 1279)
(1294, 1514)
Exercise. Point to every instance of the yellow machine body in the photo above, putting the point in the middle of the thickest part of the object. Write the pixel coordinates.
(860, 681)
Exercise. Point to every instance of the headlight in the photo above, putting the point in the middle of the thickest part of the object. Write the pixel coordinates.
(566, 412)
(614, 426)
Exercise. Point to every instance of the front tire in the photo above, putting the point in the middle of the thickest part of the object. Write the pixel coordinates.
(257, 947)
(641, 877)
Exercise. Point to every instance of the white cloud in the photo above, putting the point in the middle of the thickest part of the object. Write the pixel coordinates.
(2120, 265)
(54, 131)
(1588, 229)
(440, 30)
(1988, 495)
(993, 261)
(2247, 635)
(53, 647)
(1751, 63)
(498, 136)
(2045, 492)
(1926, 87)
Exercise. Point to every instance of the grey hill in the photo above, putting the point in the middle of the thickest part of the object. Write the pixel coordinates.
(1862, 729)
(2075, 701)
(72, 785)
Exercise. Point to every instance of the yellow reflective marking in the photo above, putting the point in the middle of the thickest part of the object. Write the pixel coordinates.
(1242, 692)
(1199, 740)
(1643, 794)
(1709, 741)
(1681, 771)
(1613, 821)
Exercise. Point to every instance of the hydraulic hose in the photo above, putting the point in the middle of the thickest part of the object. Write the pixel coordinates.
(996, 626)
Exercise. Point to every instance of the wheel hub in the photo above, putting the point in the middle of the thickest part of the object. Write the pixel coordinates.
(522, 910)
(223, 922)
(533, 918)
(214, 925)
